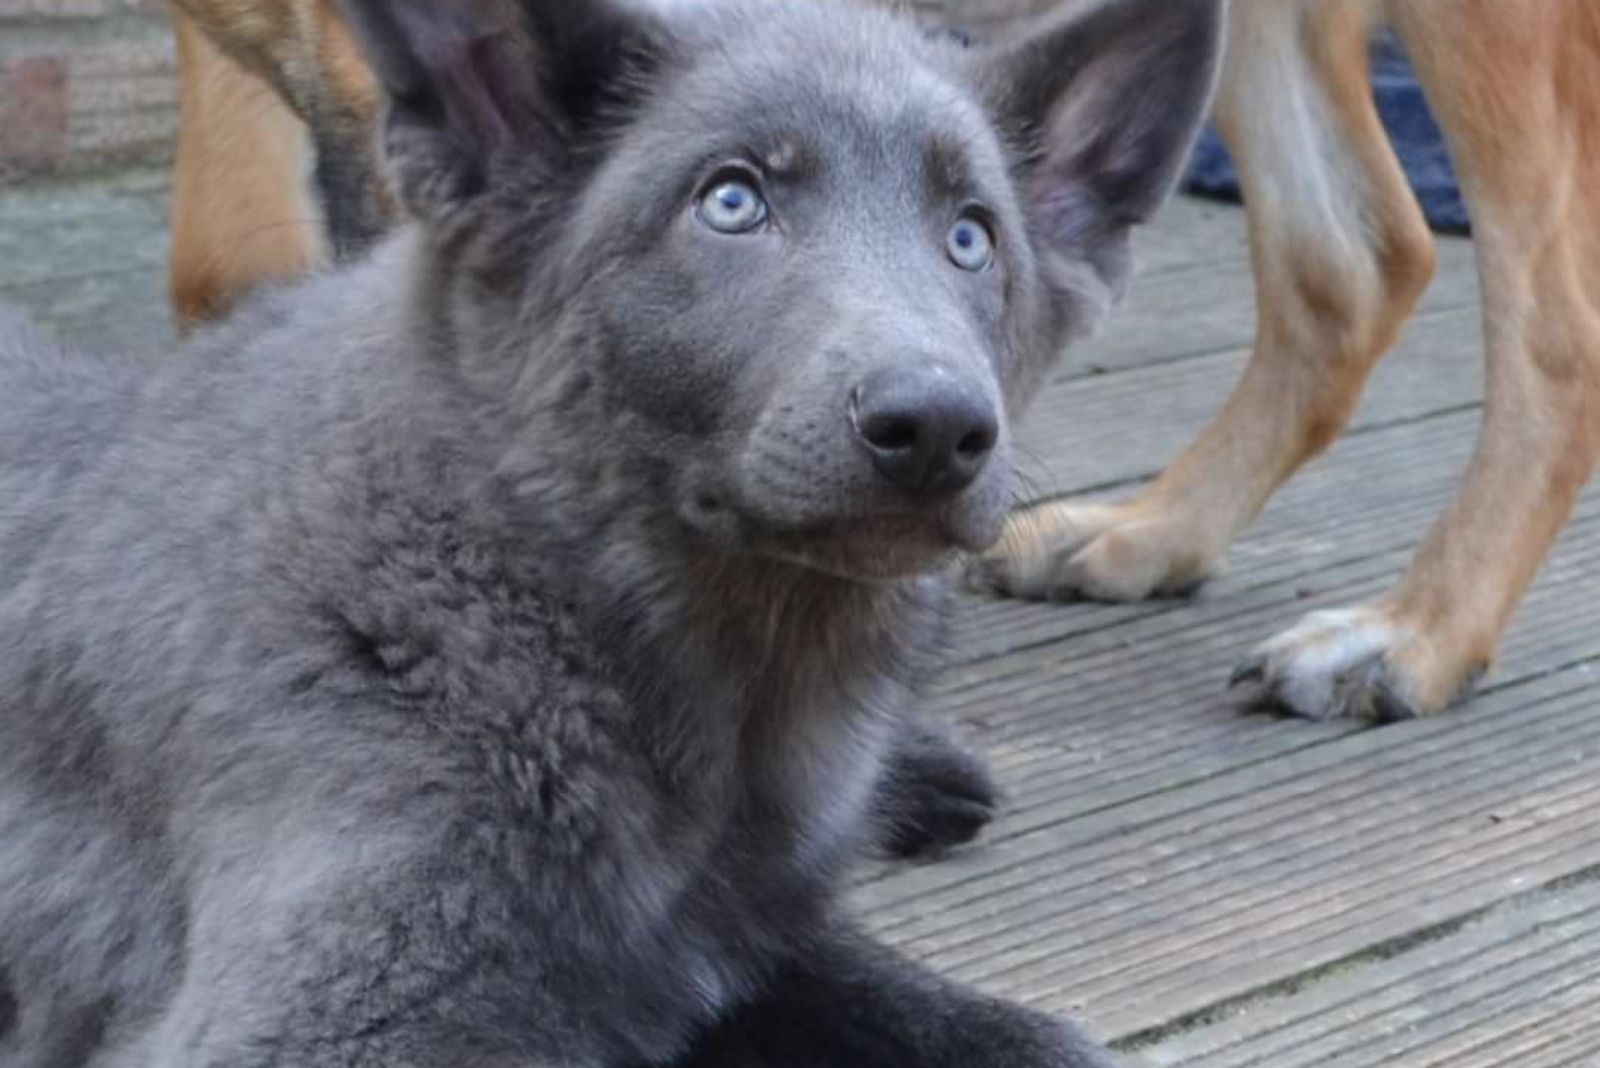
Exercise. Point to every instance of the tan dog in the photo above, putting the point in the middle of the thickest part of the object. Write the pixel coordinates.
(1341, 255)
(276, 165)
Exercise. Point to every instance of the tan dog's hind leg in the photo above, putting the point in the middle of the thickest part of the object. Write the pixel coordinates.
(242, 209)
(1341, 254)
(1517, 88)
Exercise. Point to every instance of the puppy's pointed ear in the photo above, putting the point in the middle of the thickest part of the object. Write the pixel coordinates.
(472, 84)
(1106, 103)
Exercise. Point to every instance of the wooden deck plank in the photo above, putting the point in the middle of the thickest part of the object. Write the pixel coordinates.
(1193, 293)
(89, 310)
(58, 233)
(1156, 910)
(1190, 233)
(1505, 988)
(88, 259)
(1099, 430)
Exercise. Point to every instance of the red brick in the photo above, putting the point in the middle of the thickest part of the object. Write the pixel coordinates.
(35, 111)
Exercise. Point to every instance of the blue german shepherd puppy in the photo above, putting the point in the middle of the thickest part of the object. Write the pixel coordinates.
(486, 655)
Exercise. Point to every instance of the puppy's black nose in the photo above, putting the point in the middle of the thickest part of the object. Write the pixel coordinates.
(927, 430)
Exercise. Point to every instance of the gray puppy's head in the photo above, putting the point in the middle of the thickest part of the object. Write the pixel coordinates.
(784, 268)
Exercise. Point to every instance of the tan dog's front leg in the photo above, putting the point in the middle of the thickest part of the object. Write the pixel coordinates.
(1341, 254)
(242, 210)
(1517, 88)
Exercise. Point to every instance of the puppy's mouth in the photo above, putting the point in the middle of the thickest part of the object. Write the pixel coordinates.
(883, 546)
(878, 548)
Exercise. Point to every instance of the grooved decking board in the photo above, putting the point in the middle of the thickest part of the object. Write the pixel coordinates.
(1519, 984)
(60, 233)
(88, 259)
(1179, 308)
(1191, 233)
(1095, 430)
(1142, 914)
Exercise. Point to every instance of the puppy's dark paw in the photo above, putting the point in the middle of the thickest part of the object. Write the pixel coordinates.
(934, 795)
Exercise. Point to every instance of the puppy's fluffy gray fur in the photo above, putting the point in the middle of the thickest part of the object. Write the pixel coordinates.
(485, 655)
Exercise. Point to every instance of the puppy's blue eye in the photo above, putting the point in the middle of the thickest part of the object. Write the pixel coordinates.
(732, 206)
(970, 245)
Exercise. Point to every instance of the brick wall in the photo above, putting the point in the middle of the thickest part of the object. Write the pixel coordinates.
(84, 85)
(89, 84)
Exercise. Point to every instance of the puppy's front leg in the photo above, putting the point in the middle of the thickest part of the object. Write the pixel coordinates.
(851, 1003)
(933, 794)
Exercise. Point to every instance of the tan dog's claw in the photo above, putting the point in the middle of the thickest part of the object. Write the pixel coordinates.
(1252, 669)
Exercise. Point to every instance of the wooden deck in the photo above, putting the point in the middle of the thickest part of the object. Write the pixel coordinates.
(1204, 887)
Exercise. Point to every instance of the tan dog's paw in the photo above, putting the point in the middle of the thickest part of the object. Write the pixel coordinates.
(1355, 663)
(1060, 551)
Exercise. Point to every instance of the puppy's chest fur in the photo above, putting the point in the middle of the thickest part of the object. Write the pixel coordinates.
(689, 756)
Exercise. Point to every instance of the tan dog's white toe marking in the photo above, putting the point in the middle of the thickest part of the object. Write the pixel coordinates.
(1357, 663)
(1332, 664)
